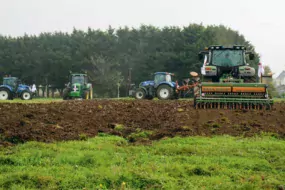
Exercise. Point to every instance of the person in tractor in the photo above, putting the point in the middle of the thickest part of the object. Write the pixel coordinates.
(227, 62)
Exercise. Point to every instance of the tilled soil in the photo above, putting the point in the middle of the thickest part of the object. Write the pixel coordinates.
(73, 120)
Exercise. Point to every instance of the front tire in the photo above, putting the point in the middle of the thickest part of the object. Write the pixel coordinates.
(140, 94)
(5, 94)
(26, 95)
(165, 92)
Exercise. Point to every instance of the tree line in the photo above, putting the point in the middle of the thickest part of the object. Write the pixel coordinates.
(108, 56)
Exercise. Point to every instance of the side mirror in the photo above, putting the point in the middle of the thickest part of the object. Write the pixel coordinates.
(251, 56)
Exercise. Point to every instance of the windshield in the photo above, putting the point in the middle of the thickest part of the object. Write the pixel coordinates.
(10, 82)
(78, 79)
(227, 58)
(162, 78)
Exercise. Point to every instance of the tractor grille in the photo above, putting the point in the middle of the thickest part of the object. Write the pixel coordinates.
(75, 88)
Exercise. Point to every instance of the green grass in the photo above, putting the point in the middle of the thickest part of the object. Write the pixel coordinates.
(35, 100)
(109, 162)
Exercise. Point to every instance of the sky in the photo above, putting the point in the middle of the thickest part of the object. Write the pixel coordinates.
(260, 21)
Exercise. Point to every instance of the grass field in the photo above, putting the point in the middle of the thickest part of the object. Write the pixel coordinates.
(110, 162)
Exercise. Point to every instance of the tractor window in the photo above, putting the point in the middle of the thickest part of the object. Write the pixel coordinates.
(162, 78)
(10, 82)
(227, 58)
(78, 79)
(168, 78)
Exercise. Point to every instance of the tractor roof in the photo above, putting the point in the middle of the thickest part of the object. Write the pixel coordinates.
(163, 73)
(15, 78)
(78, 74)
(218, 47)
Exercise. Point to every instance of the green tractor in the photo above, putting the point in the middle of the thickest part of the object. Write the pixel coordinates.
(78, 87)
(228, 82)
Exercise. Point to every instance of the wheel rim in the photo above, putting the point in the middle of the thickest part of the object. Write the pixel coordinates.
(3, 95)
(164, 93)
(26, 96)
(139, 95)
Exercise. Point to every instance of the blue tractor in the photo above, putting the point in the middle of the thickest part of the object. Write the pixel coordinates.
(161, 87)
(12, 88)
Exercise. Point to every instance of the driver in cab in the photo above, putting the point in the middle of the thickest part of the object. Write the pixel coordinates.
(227, 62)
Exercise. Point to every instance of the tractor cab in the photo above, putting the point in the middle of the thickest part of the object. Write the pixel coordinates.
(10, 81)
(162, 77)
(79, 78)
(226, 61)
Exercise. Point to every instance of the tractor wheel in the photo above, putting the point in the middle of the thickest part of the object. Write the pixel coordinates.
(165, 92)
(26, 95)
(5, 94)
(140, 94)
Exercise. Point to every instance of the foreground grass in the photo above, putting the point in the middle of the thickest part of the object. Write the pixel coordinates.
(33, 101)
(109, 162)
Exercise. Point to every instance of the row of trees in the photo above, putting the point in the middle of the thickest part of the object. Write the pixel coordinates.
(108, 55)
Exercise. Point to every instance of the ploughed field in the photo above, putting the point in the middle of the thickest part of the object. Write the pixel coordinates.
(137, 121)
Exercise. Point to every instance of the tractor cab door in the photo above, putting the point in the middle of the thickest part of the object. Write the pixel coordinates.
(159, 78)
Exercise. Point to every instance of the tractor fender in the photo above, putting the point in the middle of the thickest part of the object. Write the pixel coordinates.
(7, 87)
(143, 88)
(22, 88)
(172, 85)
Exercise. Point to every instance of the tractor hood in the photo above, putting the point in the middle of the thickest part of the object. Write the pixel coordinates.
(22, 87)
(147, 83)
(75, 87)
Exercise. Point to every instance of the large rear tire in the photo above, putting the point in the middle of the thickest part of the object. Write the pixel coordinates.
(5, 94)
(165, 92)
(140, 94)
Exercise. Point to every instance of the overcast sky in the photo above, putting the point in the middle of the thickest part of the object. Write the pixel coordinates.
(260, 21)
